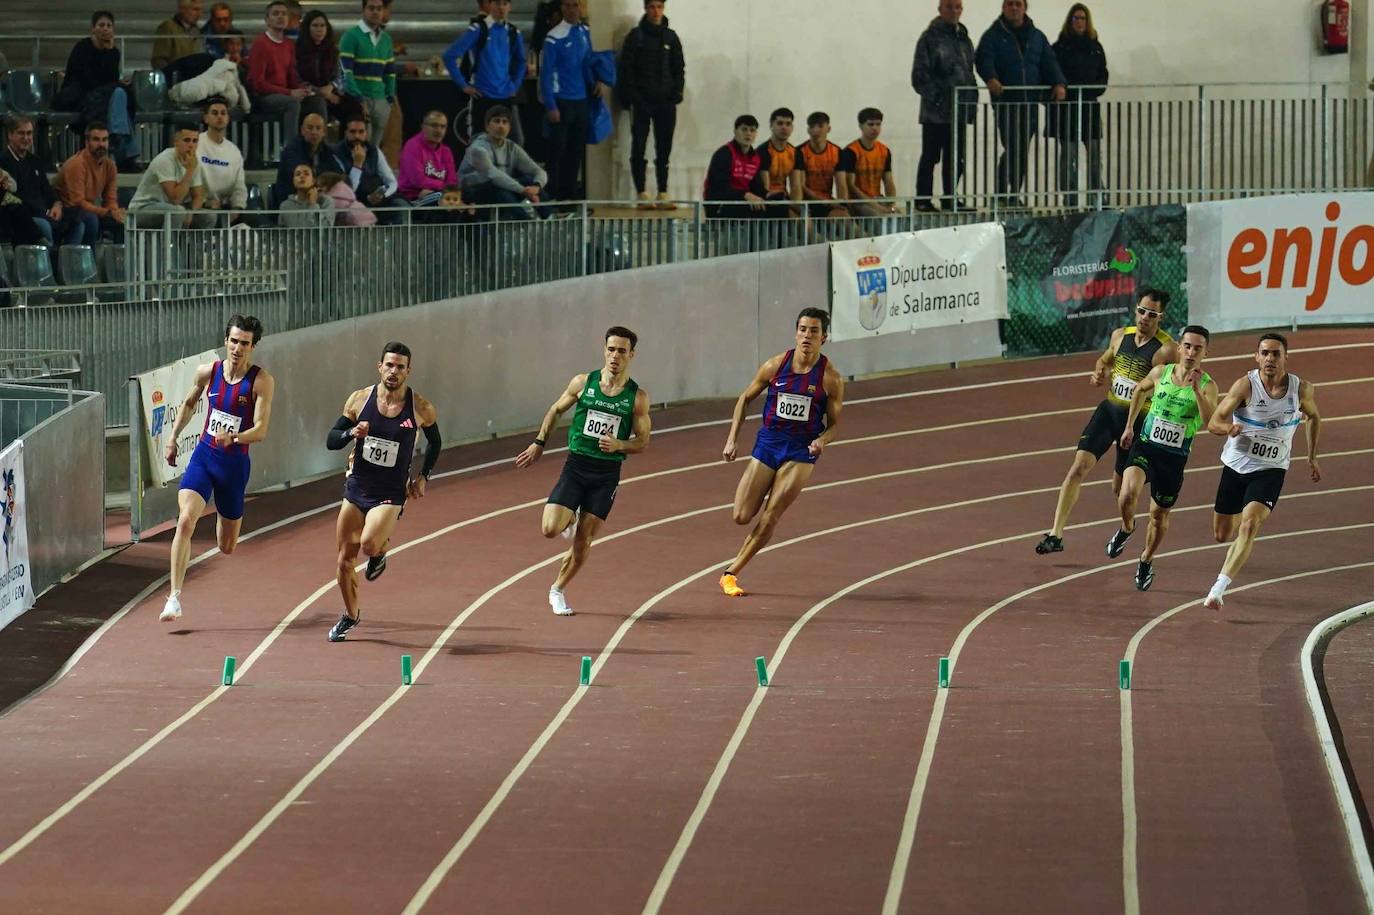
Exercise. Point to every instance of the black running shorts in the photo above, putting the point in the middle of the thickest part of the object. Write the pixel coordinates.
(1237, 490)
(1104, 430)
(587, 483)
(1163, 470)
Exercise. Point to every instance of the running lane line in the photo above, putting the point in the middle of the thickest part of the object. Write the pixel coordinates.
(1130, 868)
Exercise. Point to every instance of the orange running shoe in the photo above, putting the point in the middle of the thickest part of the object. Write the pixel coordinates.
(730, 586)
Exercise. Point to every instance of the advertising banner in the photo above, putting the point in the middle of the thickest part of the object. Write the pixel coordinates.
(1073, 279)
(904, 283)
(16, 585)
(161, 392)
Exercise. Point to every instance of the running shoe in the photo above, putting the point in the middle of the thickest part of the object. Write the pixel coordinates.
(170, 610)
(571, 529)
(376, 565)
(730, 585)
(1214, 600)
(558, 603)
(341, 628)
(1117, 544)
(1051, 544)
(1144, 575)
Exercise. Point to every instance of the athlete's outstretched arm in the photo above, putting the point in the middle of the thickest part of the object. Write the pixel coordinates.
(834, 402)
(1166, 354)
(755, 388)
(1206, 400)
(1307, 402)
(264, 386)
(1103, 366)
(639, 426)
(1221, 422)
(1144, 390)
(560, 406)
(188, 407)
(434, 443)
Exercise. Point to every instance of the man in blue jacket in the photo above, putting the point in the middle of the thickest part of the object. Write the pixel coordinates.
(495, 53)
(564, 82)
(1015, 59)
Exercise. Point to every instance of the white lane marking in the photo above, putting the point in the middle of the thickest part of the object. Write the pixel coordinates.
(901, 860)
(1130, 869)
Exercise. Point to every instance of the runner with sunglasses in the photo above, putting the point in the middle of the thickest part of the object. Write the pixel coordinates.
(1132, 353)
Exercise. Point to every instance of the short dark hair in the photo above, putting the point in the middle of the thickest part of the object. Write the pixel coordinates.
(869, 114)
(618, 331)
(817, 117)
(397, 347)
(268, 8)
(1198, 329)
(746, 120)
(183, 128)
(245, 322)
(1155, 293)
(363, 5)
(102, 14)
(496, 111)
(1283, 341)
(214, 100)
(452, 189)
(647, 2)
(360, 118)
(93, 125)
(781, 113)
(820, 314)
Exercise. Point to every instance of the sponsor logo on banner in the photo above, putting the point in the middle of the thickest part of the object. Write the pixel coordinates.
(161, 391)
(917, 280)
(16, 585)
(1294, 255)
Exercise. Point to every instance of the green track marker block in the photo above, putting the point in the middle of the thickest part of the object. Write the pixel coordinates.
(761, 666)
(405, 670)
(228, 670)
(1124, 674)
(586, 677)
(944, 673)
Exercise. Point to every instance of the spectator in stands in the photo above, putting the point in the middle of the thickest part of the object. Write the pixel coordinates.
(818, 159)
(306, 208)
(1079, 117)
(1012, 54)
(736, 173)
(16, 228)
(650, 76)
(496, 169)
(865, 167)
(40, 200)
(779, 160)
(307, 147)
(367, 172)
(88, 186)
(488, 63)
(179, 49)
(221, 161)
(173, 187)
(293, 19)
(232, 42)
(348, 210)
(220, 23)
(91, 85)
(369, 66)
(564, 81)
(455, 208)
(272, 77)
(426, 162)
(317, 62)
(943, 63)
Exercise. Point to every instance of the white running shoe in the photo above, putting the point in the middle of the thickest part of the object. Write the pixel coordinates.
(1214, 600)
(571, 529)
(170, 610)
(558, 603)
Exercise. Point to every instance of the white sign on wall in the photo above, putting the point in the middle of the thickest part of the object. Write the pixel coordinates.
(16, 584)
(162, 391)
(903, 283)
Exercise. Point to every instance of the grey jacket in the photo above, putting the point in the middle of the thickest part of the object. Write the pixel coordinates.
(943, 60)
(509, 167)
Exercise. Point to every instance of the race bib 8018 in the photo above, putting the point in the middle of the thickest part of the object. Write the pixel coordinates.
(600, 424)
(794, 407)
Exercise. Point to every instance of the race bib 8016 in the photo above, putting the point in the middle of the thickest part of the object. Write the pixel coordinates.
(222, 423)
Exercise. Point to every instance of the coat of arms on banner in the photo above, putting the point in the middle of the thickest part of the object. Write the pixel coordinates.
(9, 507)
(872, 280)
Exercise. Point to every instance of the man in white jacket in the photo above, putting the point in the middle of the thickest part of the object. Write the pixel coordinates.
(221, 162)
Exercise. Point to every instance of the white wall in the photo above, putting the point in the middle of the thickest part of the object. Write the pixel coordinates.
(757, 55)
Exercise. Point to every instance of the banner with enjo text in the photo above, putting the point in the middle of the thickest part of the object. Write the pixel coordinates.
(161, 392)
(909, 282)
(16, 583)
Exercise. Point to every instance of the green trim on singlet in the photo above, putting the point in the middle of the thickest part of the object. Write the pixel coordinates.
(621, 405)
(1177, 404)
(1132, 363)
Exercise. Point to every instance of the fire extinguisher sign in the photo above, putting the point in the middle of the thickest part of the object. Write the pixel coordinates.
(1336, 26)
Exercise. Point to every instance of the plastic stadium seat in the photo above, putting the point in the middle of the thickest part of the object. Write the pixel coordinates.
(78, 266)
(26, 91)
(113, 268)
(150, 92)
(32, 266)
(255, 197)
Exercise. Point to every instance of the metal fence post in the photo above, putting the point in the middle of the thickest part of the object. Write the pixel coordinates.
(1325, 139)
(135, 460)
(1203, 136)
(586, 236)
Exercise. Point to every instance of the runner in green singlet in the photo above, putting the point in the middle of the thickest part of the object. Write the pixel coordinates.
(611, 420)
(1182, 397)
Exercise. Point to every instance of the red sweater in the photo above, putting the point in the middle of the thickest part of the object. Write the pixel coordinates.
(272, 66)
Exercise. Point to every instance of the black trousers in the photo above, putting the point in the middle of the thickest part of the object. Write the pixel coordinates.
(567, 148)
(662, 116)
(938, 147)
(1016, 123)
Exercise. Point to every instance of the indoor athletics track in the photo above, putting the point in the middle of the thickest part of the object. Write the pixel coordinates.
(496, 784)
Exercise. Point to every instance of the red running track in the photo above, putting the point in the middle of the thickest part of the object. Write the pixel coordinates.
(673, 783)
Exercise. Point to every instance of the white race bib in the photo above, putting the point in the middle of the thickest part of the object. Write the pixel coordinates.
(1123, 388)
(794, 407)
(381, 451)
(600, 424)
(222, 423)
(1267, 450)
(1163, 432)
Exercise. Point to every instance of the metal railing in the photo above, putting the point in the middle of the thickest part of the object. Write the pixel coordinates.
(24, 406)
(21, 365)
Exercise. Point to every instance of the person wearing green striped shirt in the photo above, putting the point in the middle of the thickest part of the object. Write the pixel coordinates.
(610, 420)
(1182, 397)
(369, 65)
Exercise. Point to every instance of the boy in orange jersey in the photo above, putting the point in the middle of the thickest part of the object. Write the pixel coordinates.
(818, 159)
(865, 168)
(779, 161)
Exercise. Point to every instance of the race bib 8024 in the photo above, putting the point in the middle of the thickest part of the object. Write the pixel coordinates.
(600, 424)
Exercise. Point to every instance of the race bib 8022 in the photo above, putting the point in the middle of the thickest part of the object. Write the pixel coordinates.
(794, 407)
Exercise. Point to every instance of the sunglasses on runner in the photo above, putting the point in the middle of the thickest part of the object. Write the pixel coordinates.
(1147, 313)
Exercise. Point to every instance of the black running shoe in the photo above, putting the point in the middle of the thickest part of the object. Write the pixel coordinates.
(1051, 544)
(1144, 576)
(1117, 544)
(341, 628)
(376, 565)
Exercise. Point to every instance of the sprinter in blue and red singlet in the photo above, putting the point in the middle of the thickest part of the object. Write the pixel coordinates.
(805, 394)
(240, 408)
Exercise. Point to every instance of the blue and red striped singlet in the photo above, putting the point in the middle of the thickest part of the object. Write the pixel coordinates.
(231, 407)
(795, 404)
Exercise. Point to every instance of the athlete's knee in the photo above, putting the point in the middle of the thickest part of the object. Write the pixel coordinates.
(549, 528)
(373, 546)
(1249, 528)
(742, 515)
(227, 545)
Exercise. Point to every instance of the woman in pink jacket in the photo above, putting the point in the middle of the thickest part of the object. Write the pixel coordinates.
(350, 211)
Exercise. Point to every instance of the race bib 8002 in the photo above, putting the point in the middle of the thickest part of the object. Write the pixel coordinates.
(1163, 432)
(222, 423)
(600, 424)
(381, 451)
(794, 407)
